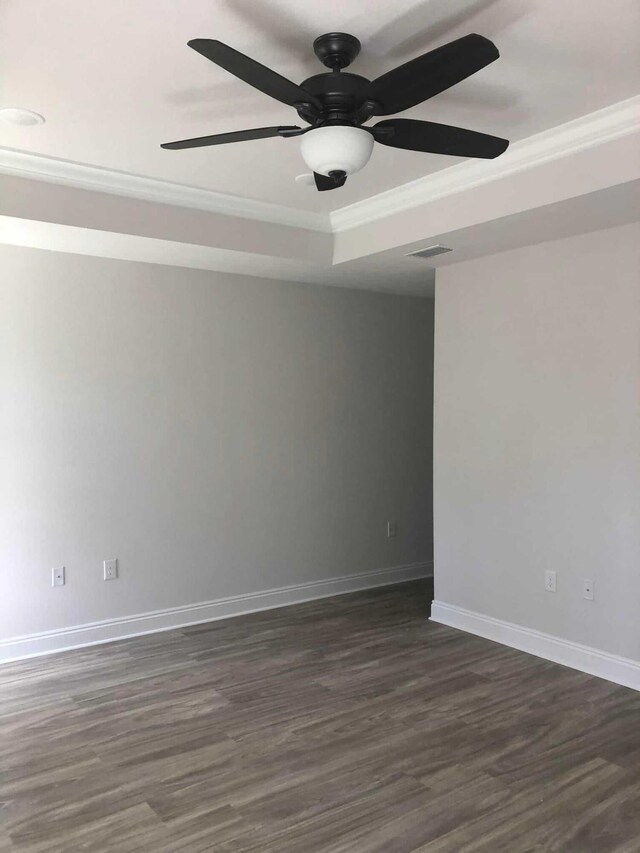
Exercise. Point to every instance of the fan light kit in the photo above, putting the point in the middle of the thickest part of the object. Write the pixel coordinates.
(336, 148)
(20, 117)
(337, 143)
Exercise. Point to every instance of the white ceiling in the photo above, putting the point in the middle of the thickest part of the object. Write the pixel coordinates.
(115, 78)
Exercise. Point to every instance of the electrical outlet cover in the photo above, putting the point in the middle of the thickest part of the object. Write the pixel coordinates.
(110, 570)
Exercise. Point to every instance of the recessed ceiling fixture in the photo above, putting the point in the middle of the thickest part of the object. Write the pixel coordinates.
(20, 117)
(336, 104)
(306, 179)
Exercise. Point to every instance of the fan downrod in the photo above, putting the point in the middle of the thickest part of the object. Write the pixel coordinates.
(336, 50)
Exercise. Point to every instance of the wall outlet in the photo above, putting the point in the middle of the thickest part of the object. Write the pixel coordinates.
(110, 569)
(57, 576)
(550, 581)
(392, 529)
(588, 589)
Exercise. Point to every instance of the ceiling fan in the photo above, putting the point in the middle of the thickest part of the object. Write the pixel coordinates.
(336, 104)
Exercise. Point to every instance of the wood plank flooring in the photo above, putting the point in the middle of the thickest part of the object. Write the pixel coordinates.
(349, 724)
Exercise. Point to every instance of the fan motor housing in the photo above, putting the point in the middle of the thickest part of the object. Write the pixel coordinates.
(342, 95)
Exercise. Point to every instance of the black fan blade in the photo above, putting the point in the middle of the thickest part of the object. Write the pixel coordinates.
(324, 182)
(253, 73)
(235, 136)
(428, 75)
(437, 138)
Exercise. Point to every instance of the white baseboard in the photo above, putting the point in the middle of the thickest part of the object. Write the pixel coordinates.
(106, 631)
(614, 668)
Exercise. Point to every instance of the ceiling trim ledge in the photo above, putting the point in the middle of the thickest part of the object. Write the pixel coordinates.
(591, 130)
(79, 175)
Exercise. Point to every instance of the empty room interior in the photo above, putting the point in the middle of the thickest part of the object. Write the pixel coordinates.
(320, 426)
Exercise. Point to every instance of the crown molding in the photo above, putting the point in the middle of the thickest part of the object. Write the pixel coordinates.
(25, 165)
(593, 129)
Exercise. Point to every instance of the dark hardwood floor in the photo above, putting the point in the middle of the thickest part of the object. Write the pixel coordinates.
(348, 724)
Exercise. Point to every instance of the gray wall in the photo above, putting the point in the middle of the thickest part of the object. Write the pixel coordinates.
(537, 437)
(217, 434)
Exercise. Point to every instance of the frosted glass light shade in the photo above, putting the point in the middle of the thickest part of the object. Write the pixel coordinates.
(336, 148)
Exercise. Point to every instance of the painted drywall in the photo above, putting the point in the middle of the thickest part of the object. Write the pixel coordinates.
(217, 434)
(182, 221)
(474, 192)
(537, 437)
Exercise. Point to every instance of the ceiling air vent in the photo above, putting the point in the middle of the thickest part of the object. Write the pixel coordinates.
(429, 252)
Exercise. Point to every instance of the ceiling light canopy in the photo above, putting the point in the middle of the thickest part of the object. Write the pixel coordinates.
(336, 148)
(20, 117)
